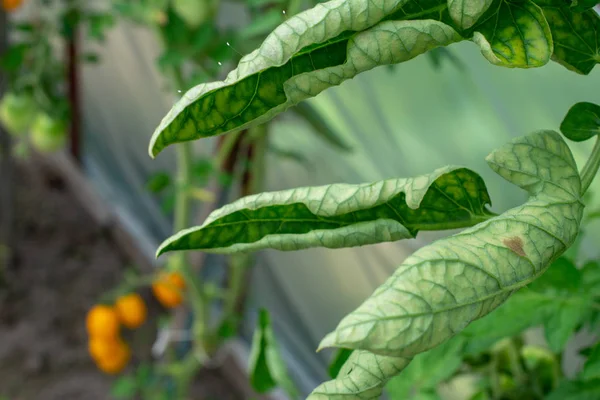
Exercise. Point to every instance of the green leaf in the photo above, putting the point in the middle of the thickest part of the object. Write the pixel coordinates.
(560, 325)
(341, 215)
(581, 122)
(561, 284)
(362, 377)
(341, 356)
(306, 111)
(590, 275)
(91, 58)
(444, 286)
(521, 311)
(583, 5)
(466, 12)
(124, 387)
(514, 34)
(561, 277)
(591, 369)
(267, 368)
(12, 59)
(263, 24)
(576, 35)
(158, 182)
(170, 58)
(427, 370)
(98, 24)
(577, 390)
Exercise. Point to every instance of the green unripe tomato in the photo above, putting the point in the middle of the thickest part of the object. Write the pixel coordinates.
(194, 12)
(17, 112)
(48, 134)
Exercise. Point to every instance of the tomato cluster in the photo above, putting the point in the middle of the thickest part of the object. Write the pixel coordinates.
(106, 346)
(103, 323)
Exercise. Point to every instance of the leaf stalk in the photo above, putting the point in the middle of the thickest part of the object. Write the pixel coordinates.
(588, 173)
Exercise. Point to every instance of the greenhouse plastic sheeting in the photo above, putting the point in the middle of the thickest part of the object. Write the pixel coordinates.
(401, 122)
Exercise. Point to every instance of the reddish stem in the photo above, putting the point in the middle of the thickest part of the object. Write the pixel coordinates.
(73, 88)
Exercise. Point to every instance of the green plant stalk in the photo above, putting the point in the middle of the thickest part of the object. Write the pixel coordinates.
(181, 220)
(241, 262)
(588, 173)
(226, 148)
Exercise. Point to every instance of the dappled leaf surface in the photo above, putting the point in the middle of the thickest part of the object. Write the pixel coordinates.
(360, 378)
(341, 215)
(335, 41)
(514, 34)
(443, 287)
(576, 35)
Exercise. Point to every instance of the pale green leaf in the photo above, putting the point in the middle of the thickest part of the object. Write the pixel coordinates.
(581, 122)
(341, 215)
(361, 378)
(305, 55)
(335, 41)
(576, 35)
(443, 287)
(466, 12)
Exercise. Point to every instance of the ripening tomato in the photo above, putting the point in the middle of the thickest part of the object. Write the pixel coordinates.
(11, 5)
(102, 322)
(17, 112)
(131, 310)
(115, 358)
(104, 347)
(168, 289)
(48, 134)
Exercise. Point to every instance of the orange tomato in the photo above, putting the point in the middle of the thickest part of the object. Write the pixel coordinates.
(131, 310)
(103, 348)
(168, 289)
(102, 322)
(11, 5)
(114, 358)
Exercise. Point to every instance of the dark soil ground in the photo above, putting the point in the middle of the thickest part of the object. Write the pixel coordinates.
(62, 261)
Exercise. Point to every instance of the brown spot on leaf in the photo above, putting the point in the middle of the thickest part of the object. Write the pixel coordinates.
(515, 243)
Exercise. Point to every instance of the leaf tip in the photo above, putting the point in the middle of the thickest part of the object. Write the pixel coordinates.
(328, 341)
